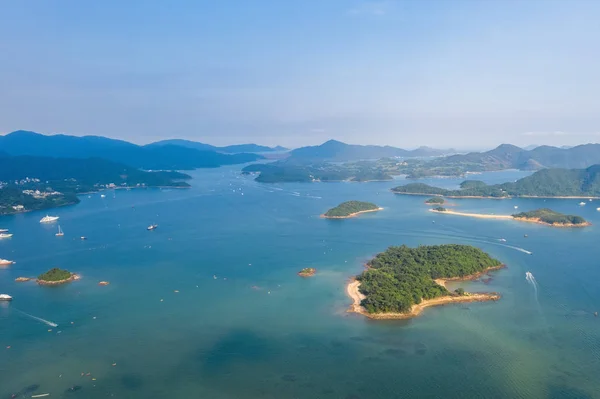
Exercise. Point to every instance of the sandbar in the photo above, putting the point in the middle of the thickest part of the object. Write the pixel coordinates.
(510, 217)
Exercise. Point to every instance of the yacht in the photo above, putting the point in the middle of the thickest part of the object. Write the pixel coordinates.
(3, 230)
(49, 219)
(5, 262)
(152, 226)
(4, 235)
(5, 297)
(60, 232)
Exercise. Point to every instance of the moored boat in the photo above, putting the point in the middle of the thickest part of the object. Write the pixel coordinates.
(5, 262)
(152, 227)
(5, 297)
(5, 235)
(49, 219)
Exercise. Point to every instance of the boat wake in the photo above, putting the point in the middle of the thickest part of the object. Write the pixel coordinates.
(51, 324)
(531, 280)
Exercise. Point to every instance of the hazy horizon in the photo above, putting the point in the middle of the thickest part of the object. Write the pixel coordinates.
(463, 74)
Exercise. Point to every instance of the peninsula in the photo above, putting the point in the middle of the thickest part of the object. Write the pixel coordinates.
(350, 209)
(543, 216)
(400, 282)
(56, 276)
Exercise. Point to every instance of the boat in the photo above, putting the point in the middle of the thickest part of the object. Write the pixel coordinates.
(49, 219)
(102, 196)
(83, 238)
(581, 203)
(152, 227)
(60, 232)
(502, 240)
(525, 235)
(3, 230)
(4, 262)
(516, 207)
(4, 235)
(598, 209)
(5, 297)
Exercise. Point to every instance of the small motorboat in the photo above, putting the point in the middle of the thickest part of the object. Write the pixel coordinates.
(83, 238)
(502, 239)
(60, 232)
(5, 297)
(5, 235)
(6, 262)
(581, 203)
(152, 227)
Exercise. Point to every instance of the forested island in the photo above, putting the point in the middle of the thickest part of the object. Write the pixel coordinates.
(30, 183)
(435, 201)
(56, 276)
(551, 218)
(401, 281)
(547, 183)
(350, 209)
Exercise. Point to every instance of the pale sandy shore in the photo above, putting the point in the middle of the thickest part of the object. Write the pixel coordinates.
(353, 292)
(351, 215)
(473, 215)
(510, 217)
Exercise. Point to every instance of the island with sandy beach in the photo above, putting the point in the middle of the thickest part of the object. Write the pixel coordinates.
(350, 209)
(401, 282)
(56, 276)
(544, 216)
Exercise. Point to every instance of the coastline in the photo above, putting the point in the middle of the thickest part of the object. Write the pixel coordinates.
(510, 217)
(507, 197)
(352, 289)
(351, 215)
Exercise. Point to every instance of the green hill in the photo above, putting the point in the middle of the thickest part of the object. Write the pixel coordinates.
(401, 276)
(551, 217)
(349, 208)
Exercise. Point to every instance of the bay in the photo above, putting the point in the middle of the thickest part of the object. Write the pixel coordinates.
(244, 325)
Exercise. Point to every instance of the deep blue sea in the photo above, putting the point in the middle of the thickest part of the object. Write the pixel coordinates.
(244, 325)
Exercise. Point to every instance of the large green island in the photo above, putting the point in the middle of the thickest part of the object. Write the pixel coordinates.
(401, 282)
(56, 276)
(350, 209)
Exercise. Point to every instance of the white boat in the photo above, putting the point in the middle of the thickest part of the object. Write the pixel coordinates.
(3, 230)
(152, 227)
(49, 219)
(4, 235)
(598, 209)
(60, 232)
(516, 207)
(581, 203)
(5, 297)
(502, 240)
(102, 196)
(4, 262)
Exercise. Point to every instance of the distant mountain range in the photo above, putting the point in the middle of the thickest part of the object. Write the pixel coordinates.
(230, 149)
(148, 157)
(507, 156)
(337, 151)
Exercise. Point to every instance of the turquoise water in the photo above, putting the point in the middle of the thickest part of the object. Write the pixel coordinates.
(243, 325)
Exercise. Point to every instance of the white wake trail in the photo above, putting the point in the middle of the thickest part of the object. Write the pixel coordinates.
(51, 324)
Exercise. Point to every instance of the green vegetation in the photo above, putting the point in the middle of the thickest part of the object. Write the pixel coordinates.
(401, 277)
(350, 207)
(55, 274)
(40, 182)
(440, 209)
(435, 200)
(549, 216)
(544, 183)
(459, 291)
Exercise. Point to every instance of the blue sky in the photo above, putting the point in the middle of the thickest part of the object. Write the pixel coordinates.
(466, 74)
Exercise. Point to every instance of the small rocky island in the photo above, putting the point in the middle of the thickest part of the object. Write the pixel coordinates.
(350, 209)
(400, 282)
(435, 201)
(56, 276)
(307, 272)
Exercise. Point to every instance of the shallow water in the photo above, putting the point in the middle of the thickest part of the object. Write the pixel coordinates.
(259, 331)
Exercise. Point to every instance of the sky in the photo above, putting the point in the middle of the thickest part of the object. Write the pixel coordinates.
(443, 73)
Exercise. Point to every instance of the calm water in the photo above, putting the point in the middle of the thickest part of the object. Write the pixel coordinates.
(243, 325)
